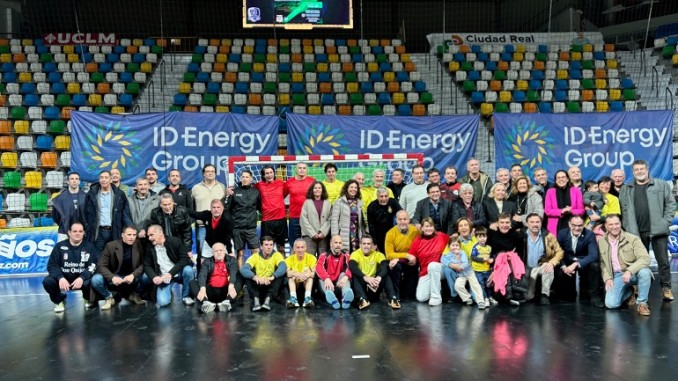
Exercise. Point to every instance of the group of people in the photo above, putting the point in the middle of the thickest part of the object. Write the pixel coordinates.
(504, 241)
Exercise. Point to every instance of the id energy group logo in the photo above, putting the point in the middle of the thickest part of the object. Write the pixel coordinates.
(323, 139)
(528, 145)
(110, 146)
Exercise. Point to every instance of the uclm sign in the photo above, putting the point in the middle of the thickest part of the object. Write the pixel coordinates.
(80, 39)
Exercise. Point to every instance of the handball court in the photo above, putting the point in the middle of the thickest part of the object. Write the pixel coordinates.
(449, 342)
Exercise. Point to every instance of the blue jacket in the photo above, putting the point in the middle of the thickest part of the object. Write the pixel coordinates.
(586, 251)
(65, 211)
(120, 216)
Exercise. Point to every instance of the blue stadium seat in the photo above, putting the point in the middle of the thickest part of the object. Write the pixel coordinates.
(510, 49)
(284, 68)
(201, 49)
(298, 88)
(377, 50)
(327, 99)
(535, 84)
(538, 75)
(119, 49)
(58, 88)
(257, 77)
(483, 57)
(138, 58)
(561, 84)
(203, 77)
(234, 57)
(193, 67)
(149, 42)
(543, 48)
(43, 221)
(9, 77)
(41, 49)
(105, 67)
(599, 56)
(545, 107)
(79, 100)
(519, 96)
(404, 110)
(27, 88)
(213, 88)
(51, 113)
(260, 49)
(561, 96)
(474, 75)
(126, 100)
(44, 142)
(508, 57)
(366, 87)
(243, 88)
(49, 67)
(340, 42)
(402, 76)
(476, 49)
(79, 49)
(112, 58)
(238, 109)
(180, 99)
(31, 100)
(626, 83)
(616, 106)
(575, 74)
(376, 76)
(477, 97)
(86, 57)
(575, 65)
(385, 66)
(420, 86)
(491, 66)
(383, 99)
(356, 57)
(459, 57)
(7, 67)
(321, 58)
(324, 77)
(126, 77)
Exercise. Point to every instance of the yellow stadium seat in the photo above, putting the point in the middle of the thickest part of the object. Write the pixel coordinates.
(398, 98)
(322, 67)
(271, 58)
(562, 74)
(297, 77)
(21, 127)
(521, 85)
(374, 42)
(520, 48)
(73, 88)
(185, 88)
(307, 49)
(248, 49)
(146, 67)
(517, 56)
(314, 110)
(222, 58)
(68, 49)
(674, 60)
(26, 42)
(333, 58)
(453, 66)
(352, 87)
(486, 109)
(389, 76)
(372, 67)
(575, 56)
(615, 94)
(117, 110)
(226, 42)
(73, 58)
(137, 42)
(5, 57)
(222, 109)
(94, 100)
(601, 84)
(504, 96)
(612, 64)
(9, 159)
(258, 67)
(283, 99)
(33, 179)
(602, 106)
(405, 57)
(25, 77)
(588, 47)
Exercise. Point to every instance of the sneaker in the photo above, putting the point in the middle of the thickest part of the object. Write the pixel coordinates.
(394, 303)
(346, 301)
(292, 302)
(208, 306)
(544, 300)
(493, 302)
(643, 309)
(332, 299)
(108, 304)
(487, 302)
(60, 307)
(89, 304)
(256, 306)
(308, 302)
(667, 294)
(632, 299)
(363, 304)
(481, 305)
(224, 306)
(188, 301)
(267, 304)
(514, 302)
(597, 302)
(135, 299)
(469, 302)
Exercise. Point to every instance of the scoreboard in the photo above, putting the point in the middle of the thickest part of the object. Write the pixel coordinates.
(298, 14)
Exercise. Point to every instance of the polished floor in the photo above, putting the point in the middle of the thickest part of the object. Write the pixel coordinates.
(418, 342)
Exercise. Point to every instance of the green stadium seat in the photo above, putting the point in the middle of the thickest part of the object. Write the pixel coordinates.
(260, 58)
(668, 51)
(132, 67)
(176, 108)
(63, 100)
(283, 77)
(132, 88)
(209, 99)
(270, 87)
(573, 107)
(37, 202)
(499, 75)
(17, 113)
(426, 98)
(541, 57)
(588, 84)
(629, 94)
(46, 57)
(356, 99)
(469, 86)
(350, 77)
(588, 65)
(577, 48)
(102, 110)
(156, 49)
(96, 77)
(189, 77)
(533, 96)
(245, 67)
(298, 99)
(467, 66)
(373, 110)
(309, 67)
(501, 108)
(57, 127)
(196, 58)
(12, 180)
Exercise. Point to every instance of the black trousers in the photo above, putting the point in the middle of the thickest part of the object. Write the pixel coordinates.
(361, 291)
(51, 285)
(262, 291)
(404, 279)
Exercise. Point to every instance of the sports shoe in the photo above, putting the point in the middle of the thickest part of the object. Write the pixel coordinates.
(188, 301)
(89, 304)
(292, 302)
(481, 305)
(60, 307)
(348, 298)
(108, 304)
(469, 302)
(643, 309)
(394, 303)
(514, 302)
(308, 302)
(208, 306)
(224, 306)
(597, 302)
(135, 299)
(632, 299)
(487, 302)
(256, 306)
(363, 304)
(332, 299)
(667, 294)
(267, 304)
(544, 300)
(493, 302)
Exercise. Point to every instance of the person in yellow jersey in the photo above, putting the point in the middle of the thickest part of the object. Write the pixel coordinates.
(300, 272)
(264, 273)
(331, 183)
(403, 268)
(370, 275)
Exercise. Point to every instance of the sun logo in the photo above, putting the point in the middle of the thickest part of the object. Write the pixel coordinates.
(322, 139)
(528, 145)
(110, 146)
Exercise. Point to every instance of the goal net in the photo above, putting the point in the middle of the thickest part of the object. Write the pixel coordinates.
(347, 165)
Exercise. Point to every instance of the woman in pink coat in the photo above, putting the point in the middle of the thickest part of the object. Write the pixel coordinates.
(562, 201)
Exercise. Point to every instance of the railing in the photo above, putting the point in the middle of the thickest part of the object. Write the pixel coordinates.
(655, 80)
(668, 95)
(136, 109)
(150, 94)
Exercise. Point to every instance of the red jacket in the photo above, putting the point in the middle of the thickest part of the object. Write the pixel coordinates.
(329, 266)
(428, 250)
(272, 199)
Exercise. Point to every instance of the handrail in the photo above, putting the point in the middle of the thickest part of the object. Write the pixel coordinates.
(666, 103)
(136, 109)
(150, 91)
(643, 69)
(655, 80)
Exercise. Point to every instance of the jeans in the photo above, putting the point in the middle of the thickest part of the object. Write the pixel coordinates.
(294, 231)
(104, 236)
(164, 291)
(104, 287)
(451, 278)
(482, 277)
(621, 291)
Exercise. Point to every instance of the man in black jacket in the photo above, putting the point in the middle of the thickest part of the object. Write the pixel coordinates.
(243, 203)
(218, 281)
(166, 261)
(218, 225)
(120, 268)
(182, 195)
(106, 212)
(70, 267)
(381, 216)
(69, 206)
(175, 221)
(436, 207)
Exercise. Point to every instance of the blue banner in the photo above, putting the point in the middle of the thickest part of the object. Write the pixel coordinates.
(26, 251)
(596, 143)
(444, 140)
(186, 141)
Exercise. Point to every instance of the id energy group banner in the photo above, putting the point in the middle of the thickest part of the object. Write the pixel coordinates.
(186, 141)
(596, 143)
(444, 140)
